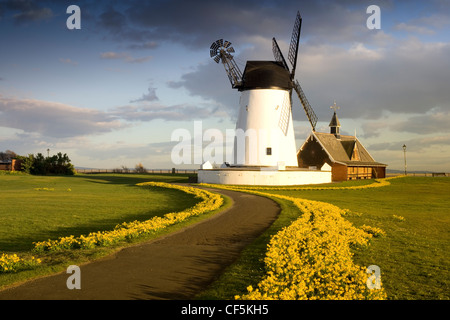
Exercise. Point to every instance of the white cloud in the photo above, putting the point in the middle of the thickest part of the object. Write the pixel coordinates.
(435, 120)
(54, 119)
(429, 123)
(123, 56)
(182, 112)
(418, 144)
(425, 25)
(360, 51)
(57, 120)
(413, 28)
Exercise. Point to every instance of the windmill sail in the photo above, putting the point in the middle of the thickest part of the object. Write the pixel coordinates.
(292, 57)
(285, 115)
(221, 50)
(265, 104)
(308, 109)
(293, 48)
(286, 107)
(277, 54)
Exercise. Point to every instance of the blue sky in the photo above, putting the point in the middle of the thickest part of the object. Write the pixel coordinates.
(113, 92)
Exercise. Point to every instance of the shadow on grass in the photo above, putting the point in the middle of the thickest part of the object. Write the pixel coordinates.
(131, 179)
(25, 242)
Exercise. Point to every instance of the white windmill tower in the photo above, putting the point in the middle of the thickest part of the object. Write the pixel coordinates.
(264, 129)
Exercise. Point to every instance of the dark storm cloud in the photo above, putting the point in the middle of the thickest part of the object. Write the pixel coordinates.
(365, 82)
(113, 20)
(34, 15)
(197, 23)
(26, 10)
(367, 72)
(406, 76)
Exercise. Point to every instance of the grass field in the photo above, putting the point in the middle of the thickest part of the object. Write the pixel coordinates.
(413, 255)
(38, 208)
(35, 208)
(413, 212)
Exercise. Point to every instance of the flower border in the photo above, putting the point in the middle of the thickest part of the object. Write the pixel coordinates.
(129, 230)
(311, 258)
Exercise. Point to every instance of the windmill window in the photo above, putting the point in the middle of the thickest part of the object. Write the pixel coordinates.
(269, 151)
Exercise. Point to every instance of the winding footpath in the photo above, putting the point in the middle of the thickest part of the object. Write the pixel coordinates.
(177, 266)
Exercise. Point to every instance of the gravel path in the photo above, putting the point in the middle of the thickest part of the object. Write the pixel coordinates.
(177, 266)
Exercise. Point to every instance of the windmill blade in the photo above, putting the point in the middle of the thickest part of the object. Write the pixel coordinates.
(278, 55)
(213, 49)
(293, 48)
(230, 50)
(285, 113)
(220, 50)
(215, 45)
(308, 109)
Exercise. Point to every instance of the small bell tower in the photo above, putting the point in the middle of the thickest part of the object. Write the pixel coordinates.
(334, 124)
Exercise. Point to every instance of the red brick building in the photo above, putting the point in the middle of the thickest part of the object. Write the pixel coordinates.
(13, 165)
(346, 155)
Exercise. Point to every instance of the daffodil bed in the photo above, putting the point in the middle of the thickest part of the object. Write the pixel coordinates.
(311, 258)
(122, 232)
(13, 263)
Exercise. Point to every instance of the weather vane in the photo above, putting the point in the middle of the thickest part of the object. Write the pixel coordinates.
(334, 106)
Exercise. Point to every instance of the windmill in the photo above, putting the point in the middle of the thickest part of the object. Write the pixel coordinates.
(266, 103)
(221, 51)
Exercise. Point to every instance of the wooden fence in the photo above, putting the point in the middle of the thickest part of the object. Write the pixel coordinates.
(170, 171)
(420, 174)
(194, 171)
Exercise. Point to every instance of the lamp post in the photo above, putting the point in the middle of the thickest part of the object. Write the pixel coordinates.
(404, 155)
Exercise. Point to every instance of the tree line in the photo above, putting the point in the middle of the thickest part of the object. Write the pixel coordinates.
(39, 164)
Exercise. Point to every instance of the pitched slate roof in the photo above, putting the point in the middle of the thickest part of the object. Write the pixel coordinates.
(334, 121)
(341, 150)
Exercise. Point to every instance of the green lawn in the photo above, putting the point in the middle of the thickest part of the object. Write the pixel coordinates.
(34, 208)
(413, 257)
(75, 205)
